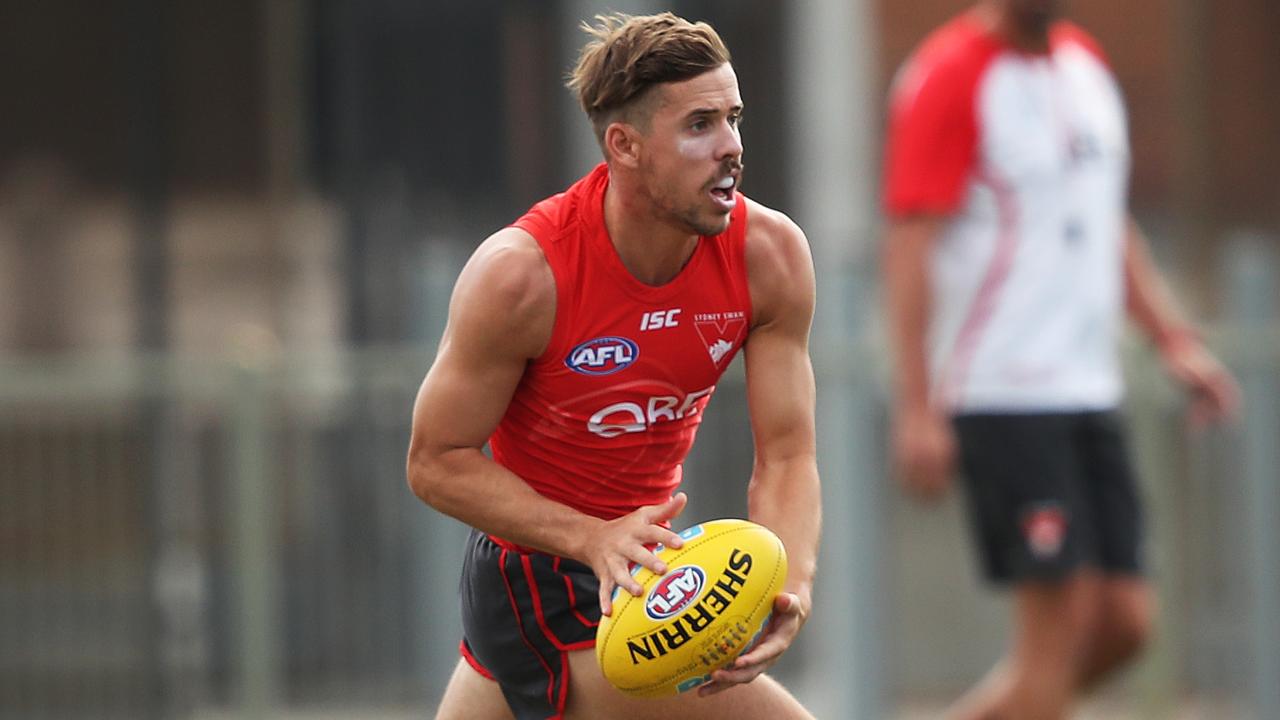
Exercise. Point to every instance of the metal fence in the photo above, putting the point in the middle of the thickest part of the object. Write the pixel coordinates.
(180, 536)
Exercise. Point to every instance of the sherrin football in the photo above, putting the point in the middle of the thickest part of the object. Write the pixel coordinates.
(711, 606)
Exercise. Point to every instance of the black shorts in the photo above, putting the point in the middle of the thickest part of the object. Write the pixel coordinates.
(1050, 493)
(522, 612)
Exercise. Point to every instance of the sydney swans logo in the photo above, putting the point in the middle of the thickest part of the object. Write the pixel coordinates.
(720, 333)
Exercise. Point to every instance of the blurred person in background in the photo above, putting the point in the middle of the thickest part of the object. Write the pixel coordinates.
(583, 344)
(1010, 260)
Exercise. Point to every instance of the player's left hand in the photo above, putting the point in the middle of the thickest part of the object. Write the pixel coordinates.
(1214, 393)
(789, 615)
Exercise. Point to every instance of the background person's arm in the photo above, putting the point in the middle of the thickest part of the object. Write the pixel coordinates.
(1214, 394)
(500, 317)
(931, 150)
(923, 441)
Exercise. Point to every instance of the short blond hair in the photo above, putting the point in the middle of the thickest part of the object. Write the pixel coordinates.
(629, 55)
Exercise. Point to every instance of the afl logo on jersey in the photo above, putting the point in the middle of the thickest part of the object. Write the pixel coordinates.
(602, 355)
(675, 592)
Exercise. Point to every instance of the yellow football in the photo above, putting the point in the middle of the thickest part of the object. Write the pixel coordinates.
(710, 606)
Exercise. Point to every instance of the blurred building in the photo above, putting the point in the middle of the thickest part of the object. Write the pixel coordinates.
(283, 163)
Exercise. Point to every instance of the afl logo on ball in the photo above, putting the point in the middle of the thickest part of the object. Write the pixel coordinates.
(602, 355)
(675, 592)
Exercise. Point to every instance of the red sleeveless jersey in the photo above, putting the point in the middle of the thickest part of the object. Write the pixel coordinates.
(602, 421)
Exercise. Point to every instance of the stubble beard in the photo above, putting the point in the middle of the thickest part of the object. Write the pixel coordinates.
(705, 227)
(691, 217)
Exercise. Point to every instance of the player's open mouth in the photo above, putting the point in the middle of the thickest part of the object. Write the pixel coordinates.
(722, 192)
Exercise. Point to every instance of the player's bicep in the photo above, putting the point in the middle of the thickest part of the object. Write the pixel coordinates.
(463, 396)
(780, 382)
(499, 319)
(780, 394)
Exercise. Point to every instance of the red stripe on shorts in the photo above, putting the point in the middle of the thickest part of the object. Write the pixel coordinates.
(573, 599)
(515, 609)
(542, 619)
(473, 662)
(564, 683)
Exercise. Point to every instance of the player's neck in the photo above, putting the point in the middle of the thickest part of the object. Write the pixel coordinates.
(653, 251)
(1019, 33)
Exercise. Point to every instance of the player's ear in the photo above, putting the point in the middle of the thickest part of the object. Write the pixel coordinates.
(622, 143)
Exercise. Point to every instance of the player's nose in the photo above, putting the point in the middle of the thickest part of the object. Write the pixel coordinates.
(730, 143)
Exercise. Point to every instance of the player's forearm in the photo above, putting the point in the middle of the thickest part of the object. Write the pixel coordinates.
(465, 484)
(1147, 298)
(908, 300)
(786, 497)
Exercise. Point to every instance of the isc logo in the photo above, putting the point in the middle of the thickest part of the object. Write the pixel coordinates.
(659, 319)
(675, 592)
(602, 356)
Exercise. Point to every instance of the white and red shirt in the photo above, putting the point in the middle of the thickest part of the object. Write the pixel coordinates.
(603, 420)
(1028, 157)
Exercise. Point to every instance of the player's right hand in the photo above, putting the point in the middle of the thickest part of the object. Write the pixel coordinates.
(615, 544)
(924, 449)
